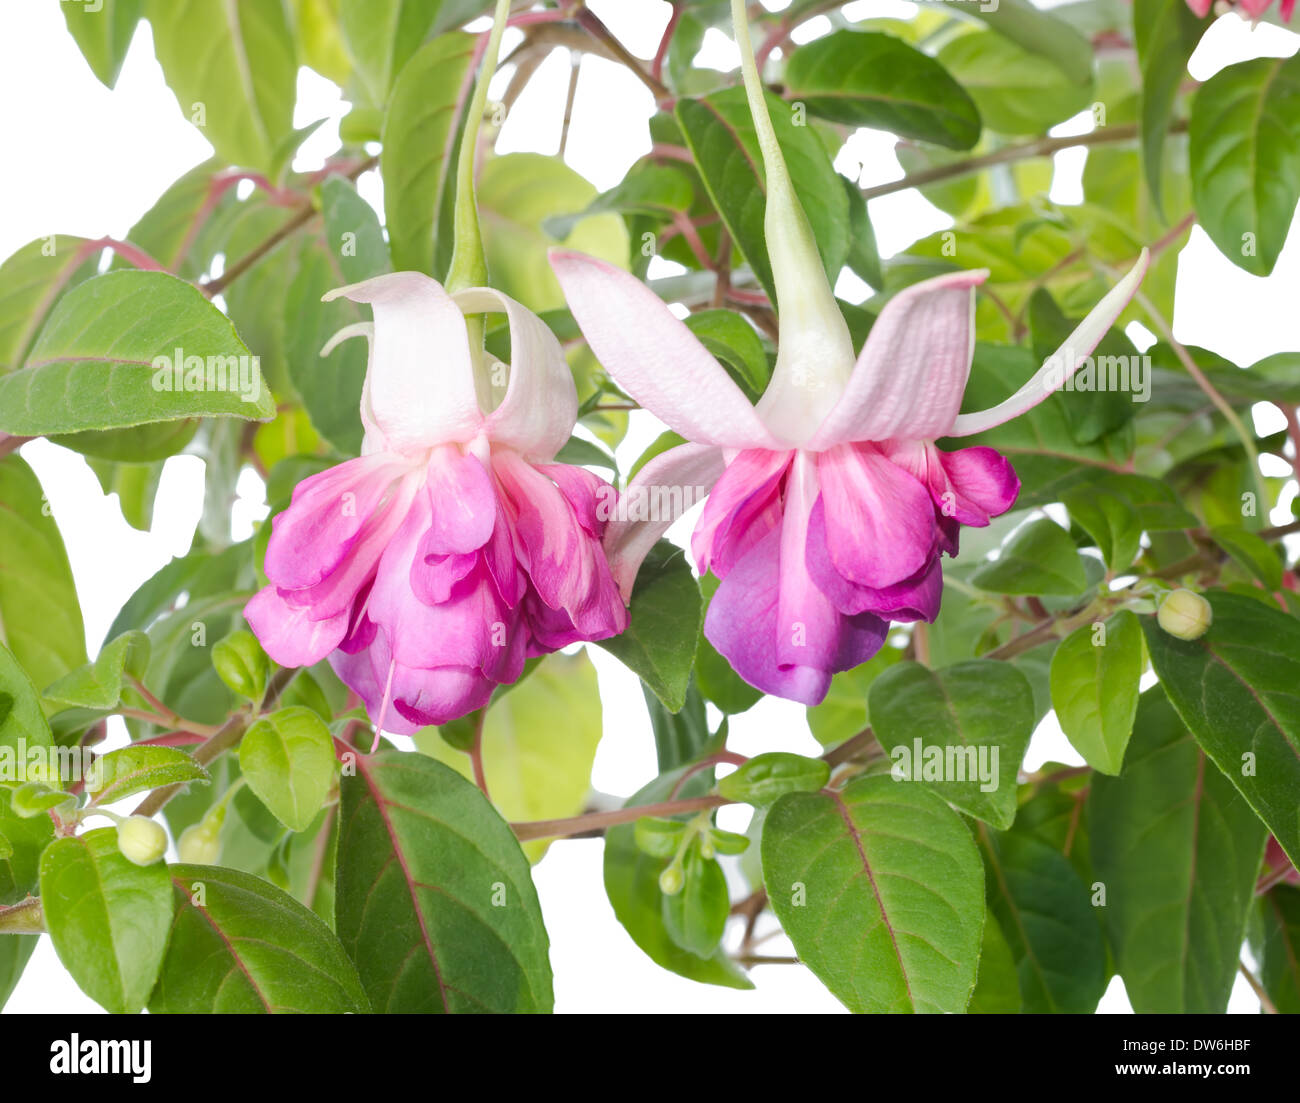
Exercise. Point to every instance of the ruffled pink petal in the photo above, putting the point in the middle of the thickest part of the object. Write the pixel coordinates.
(462, 500)
(879, 519)
(693, 467)
(654, 357)
(321, 524)
(286, 631)
(744, 505)
(911, 373)
(969, 485)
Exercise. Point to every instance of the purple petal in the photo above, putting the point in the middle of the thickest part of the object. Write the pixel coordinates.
(744, 505)
(288, 634)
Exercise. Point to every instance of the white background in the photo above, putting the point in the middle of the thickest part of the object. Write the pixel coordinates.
(80, 159)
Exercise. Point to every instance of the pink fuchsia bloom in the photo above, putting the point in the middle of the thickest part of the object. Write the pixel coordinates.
(1251, 9)
(455, 547)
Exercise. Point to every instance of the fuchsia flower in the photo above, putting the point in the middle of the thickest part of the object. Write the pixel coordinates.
(429, 568)
(832, 503)
(1251, 9)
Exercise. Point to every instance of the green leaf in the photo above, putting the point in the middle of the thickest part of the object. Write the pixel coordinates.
(103, 33)
(1245, 158)
(737, 346)
(971, 725)
(15, 950)
(1178, 850)
(843, 712)
(632, 885)
(1111, 520)
(1045, 913)
(880, 889)
(244, 81)
(137, 769)
(40, 616)
(32, 281)
(418, 161)
(536, 771)
(107, 917)
(997, 988)
(666, 614)
(98, 685)
(175, 231)
(1017, 92)
(1094, 677)
(657, 191)
(1165, 33)
(1278, 950)
(516, 194)
(1039, 32)
(287, 758)
(1235, 688)
(241, 945)
(18, 877)
(1039, 559)
(352, 231)
(879, 81)
(720, 133)
(433, 896)
(696, 917)
(1252, 551)
(767, 777)
(93, 365)
(680, 736)
(864, 253)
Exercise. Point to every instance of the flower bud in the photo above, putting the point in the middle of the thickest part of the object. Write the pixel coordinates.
(199, 845)
(141, 840)
(1185, 615)
(672, 880)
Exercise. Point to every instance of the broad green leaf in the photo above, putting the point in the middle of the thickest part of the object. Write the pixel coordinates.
(92, 367)
(383, 35)
(320, 38)
(666, 613)
(433, 896)
(26, 838)
(1039, 32)
(737, 346)
(516, 194)
(655, 190)
(241, 663)
(240, 945)
(880, 889)
(1046, 915)
(1095, 673)
(1278, 948)
(696, 917)
(136, 769)
(767, 777)
(352, 231)
(40, 616)
(844, 712)
(1111, 520)
(287, 758)
(1017, 92)
(108, 917)
(1039, 559)
(418, 163)
(240, 89)
(1245, 158)
(1178, 849)
(15, 950)
(962, 731)
(864, 253)
(632, 885)
(32, 281)
(1235, 688)
(1252, 551)
(1165, 33)
(538, 744)
(98, 685)
(680, 736)
(997, 988)
(103, 32)
(720, 133)
(879, 81)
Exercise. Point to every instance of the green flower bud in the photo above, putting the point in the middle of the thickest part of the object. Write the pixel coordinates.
(1185, 615)
(199, 846)
(242, 664)
(141, 840)
(672, 880)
